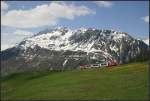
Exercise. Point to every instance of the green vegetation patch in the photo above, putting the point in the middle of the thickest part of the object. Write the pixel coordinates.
(128, 82)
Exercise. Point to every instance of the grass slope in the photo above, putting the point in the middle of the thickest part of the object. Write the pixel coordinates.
(127, 82)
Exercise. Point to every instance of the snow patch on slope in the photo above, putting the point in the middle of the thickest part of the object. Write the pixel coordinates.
(146, 41)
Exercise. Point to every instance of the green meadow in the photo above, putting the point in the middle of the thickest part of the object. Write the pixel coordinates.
(128, 82)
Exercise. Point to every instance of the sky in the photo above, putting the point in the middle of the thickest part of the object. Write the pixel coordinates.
(22, 19)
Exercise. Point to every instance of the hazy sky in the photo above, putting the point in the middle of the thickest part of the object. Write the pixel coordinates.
(21, 19)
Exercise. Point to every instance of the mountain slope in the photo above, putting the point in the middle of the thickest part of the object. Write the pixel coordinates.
(62, 48)
(124, 82)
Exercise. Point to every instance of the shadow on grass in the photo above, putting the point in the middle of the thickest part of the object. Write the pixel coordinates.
(29, 75)
(39, 74)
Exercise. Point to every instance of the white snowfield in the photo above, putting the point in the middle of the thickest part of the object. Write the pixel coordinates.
(56, 40)
(60, 39)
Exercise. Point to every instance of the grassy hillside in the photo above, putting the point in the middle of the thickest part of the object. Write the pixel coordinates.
(128, 81)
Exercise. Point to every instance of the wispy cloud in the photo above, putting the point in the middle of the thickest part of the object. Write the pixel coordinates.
(23, 33)
(146, 19)
(103, 3)
(42, 15)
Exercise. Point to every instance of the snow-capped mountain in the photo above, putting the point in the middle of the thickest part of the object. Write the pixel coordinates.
(62, 48)
(65, 39)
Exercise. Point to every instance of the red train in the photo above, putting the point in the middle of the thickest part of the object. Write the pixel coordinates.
(109, 63)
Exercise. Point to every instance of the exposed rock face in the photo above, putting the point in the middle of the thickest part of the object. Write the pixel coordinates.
(62, 48)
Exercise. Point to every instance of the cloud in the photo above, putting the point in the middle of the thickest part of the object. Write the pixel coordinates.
(6, 46)
(146, 19)
(4, 7)
(43, 15)
(10, 39)
(104, 3)
(23, 33)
